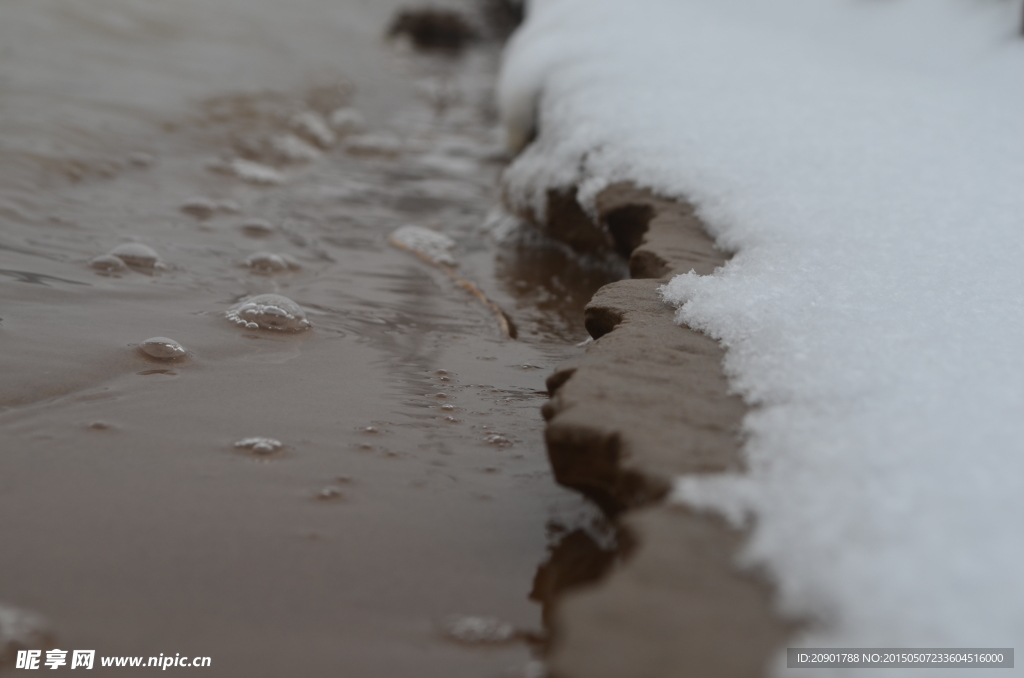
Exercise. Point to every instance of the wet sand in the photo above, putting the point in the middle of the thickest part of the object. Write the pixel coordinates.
(412, 484)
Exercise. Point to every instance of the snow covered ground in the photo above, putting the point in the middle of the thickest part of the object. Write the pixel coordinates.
(865, 161)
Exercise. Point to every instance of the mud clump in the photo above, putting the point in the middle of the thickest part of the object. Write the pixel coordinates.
(434, 29)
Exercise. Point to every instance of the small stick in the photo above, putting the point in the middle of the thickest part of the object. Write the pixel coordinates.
(505, 324)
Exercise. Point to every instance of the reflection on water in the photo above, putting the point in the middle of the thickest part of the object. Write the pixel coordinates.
(576, 558)
(164, 163)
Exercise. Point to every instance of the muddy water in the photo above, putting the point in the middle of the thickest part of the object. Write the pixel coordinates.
(411, 484)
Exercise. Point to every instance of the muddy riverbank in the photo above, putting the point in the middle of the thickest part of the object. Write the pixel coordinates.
(646, 403)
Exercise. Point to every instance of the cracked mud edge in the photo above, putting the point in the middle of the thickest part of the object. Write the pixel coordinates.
(646, 403)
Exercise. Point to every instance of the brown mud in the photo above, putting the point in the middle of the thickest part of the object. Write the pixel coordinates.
(412, 483)
(646, 403)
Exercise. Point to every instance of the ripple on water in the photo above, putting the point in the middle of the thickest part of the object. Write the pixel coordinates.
(162, 348)
(269, 312)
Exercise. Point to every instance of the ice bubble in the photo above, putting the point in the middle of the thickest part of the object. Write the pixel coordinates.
(21, 630)
(347, 120)
(472, 629)
(256, 173)
(269, 312)
(259, 445)
(108, 263)
(137, 255)
(268, 262)
(431, 245)
(162, 348)
(314, 128)
(257, 228)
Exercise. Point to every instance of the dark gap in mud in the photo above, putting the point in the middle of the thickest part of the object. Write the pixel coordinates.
(627, 225)
(568, 222)
(434, 29)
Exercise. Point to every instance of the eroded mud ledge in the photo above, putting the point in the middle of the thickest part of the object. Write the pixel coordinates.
(647, 402)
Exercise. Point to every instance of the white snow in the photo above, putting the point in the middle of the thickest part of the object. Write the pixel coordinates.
(865, 161)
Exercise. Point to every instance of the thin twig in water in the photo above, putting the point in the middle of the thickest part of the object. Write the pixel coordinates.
(505, 324)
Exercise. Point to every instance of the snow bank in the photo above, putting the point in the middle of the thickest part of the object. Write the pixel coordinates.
(866, 162)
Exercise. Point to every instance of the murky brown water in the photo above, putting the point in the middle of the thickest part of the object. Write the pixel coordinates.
(413, 483)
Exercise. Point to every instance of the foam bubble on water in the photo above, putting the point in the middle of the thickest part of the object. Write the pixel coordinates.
(255, 173)
(475, 629)
(162, 348)
(347, 120)
(257, 228)
(290, 148)
(205, 208)
(330, 494)
(108, 263)
(313, 128)
(21, 630)
(268, 262)
(498, 440)
(137, 255)
(200, 208)
(269, 312)
(258, 445)
(430, 245)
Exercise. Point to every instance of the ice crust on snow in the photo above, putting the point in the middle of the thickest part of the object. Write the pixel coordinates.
(865, 161)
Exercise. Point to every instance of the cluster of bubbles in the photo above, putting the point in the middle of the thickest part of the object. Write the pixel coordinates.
(474, 629)
(308, 134)
(269, 312)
